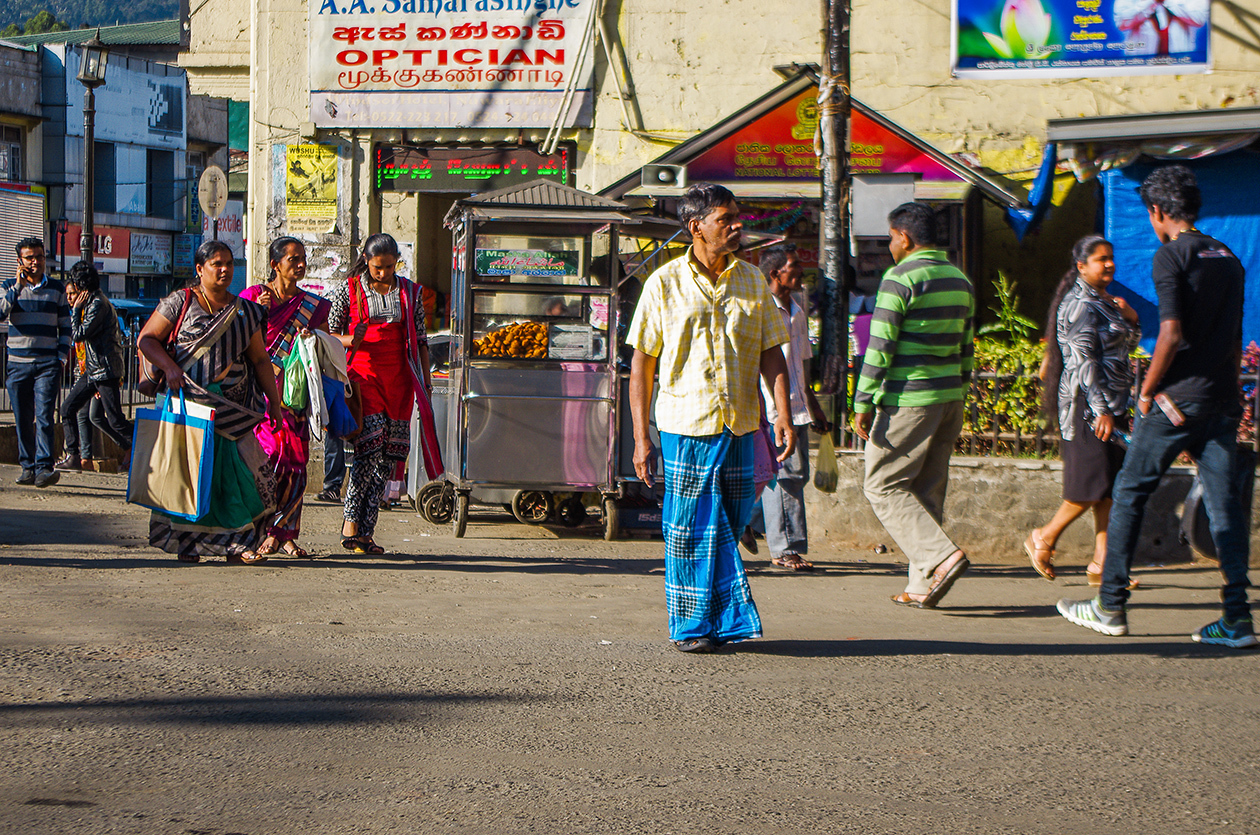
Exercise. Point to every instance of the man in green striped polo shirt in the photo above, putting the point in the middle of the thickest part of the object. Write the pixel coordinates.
(909, 400)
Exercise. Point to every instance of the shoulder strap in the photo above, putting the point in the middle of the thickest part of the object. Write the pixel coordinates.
(183, 311)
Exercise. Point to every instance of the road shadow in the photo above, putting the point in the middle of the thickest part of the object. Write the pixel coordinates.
(364, 707)
(36, 526)
(1132, 646)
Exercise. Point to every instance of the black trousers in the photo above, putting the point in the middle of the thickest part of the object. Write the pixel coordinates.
(115, 425)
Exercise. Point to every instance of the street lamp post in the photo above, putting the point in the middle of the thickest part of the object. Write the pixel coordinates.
(91, 75)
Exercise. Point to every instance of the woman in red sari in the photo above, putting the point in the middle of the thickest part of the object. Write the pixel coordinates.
(291, 312)
(379, 316)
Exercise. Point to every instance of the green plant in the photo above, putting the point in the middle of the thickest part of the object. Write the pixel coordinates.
(1009, 319)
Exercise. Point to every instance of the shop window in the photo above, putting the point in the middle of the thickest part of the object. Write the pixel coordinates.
(161, 184)
(104, 178)
(10, 153)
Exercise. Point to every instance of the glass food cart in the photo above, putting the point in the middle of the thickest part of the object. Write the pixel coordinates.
(533, 392)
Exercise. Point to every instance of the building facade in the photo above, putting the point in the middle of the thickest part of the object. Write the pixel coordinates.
(385, 99)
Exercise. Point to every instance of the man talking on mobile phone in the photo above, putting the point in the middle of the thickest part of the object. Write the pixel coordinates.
(38, 343)
(1189, 402)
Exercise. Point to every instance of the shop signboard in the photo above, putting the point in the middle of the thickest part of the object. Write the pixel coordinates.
(113, 247)
(182, 258)
(230, 228)
(533, 263)
(150, 253)
(780, 147)
(448, 63)
(466, 170)
(1080, 38)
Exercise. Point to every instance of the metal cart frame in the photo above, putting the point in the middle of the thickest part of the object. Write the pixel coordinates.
(547, 423)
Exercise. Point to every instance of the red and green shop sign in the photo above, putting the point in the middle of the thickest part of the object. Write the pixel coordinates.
(780, 146)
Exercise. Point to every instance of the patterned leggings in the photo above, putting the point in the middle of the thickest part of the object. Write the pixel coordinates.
(377, 451)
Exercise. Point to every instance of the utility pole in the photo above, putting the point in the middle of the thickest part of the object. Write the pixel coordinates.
(834, 107)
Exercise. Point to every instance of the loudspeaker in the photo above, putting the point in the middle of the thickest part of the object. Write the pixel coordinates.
(664, 176)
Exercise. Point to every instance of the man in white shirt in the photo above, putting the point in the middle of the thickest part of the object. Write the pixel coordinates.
(783, 503)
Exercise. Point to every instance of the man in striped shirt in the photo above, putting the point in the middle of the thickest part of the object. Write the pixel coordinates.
(38, 313)
(909, 400)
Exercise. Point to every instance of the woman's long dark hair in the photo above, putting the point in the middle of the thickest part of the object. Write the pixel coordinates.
(377, 245)
(1054, 352)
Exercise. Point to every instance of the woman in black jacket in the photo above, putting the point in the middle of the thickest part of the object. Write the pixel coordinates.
(95, 324)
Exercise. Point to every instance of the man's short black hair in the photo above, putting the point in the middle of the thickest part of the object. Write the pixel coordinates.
(774, 257)
(1174, 190)
(700, 199)
(917, 221)
(28, 243)
(84, 276)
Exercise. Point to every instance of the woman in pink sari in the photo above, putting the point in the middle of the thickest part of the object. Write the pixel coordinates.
(291, 311)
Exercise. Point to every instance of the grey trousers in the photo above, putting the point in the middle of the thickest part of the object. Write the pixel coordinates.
(783, 503)
(907, 471)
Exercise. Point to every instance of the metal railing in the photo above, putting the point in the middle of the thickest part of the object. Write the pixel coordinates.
(990, 429)
(129, 396)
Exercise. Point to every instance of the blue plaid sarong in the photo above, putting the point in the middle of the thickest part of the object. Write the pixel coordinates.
(708, 500)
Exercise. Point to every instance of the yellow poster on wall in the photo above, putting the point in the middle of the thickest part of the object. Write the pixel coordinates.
(310, 188)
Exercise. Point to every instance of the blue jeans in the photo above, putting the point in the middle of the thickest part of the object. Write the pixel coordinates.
(783, 503)
(33, 392)
(1210, 436)
(334, 463)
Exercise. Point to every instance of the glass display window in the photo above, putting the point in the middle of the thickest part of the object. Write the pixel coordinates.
(537, 326)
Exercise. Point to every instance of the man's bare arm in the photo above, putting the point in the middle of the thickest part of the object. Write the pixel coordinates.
(642, 374)
(774, 371)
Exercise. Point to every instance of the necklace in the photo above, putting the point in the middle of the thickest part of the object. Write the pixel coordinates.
(206, 303)
(1191, 229)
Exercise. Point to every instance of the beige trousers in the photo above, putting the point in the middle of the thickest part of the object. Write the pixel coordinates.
(907, 471)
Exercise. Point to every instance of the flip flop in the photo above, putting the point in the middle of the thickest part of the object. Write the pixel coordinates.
(944, 583)
(904, 599)
(1045, 569)
(266, 550)
(246, 558)
(748, 540)
(294, 550)
(792, 562)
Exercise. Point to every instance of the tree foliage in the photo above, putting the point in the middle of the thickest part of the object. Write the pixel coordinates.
(16, 16)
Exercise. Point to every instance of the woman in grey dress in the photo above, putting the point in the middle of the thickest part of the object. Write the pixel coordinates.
(1086, 379)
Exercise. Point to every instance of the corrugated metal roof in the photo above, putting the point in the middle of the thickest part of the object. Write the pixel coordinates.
(157, 32)
(543, 193)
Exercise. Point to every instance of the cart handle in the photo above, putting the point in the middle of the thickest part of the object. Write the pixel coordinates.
(475, 396)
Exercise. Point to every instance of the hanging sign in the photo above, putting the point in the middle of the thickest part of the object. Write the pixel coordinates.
(1079, 38)
(447, 63)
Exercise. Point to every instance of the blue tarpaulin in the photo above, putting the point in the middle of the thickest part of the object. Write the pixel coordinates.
(1230, 213)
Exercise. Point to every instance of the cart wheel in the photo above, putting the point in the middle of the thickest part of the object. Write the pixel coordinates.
(461, 514)
(438, 508)
(532, 507)
(571, 512)
(612, 522)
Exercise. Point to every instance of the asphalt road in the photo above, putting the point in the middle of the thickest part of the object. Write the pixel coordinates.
(520, 680)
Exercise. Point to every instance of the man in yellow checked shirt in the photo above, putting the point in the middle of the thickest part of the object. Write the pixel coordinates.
(707, 322)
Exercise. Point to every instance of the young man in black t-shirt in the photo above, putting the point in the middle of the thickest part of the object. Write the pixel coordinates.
(1193, 382)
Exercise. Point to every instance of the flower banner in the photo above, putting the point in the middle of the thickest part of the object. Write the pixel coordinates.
(1080, 38)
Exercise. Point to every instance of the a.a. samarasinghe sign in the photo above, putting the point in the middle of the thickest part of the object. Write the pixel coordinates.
(1080, 38)
(448, 63)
